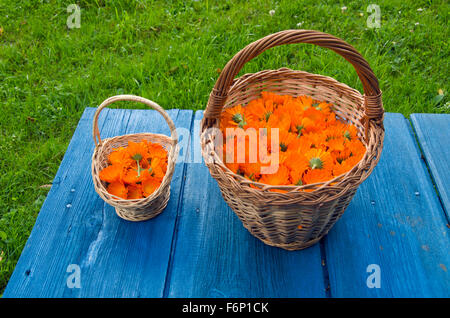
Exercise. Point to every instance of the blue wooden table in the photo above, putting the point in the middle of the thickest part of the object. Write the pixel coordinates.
(392, 241)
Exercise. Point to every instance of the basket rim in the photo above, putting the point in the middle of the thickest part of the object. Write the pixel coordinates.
(104, 140)
(116, 201)
(290, 189)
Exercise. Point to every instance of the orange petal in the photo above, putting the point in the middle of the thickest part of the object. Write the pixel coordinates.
(119, 156)
(118, 189)
(111, 173)
(149, 186)
(131, 176)
(134, 192)
(137, 148)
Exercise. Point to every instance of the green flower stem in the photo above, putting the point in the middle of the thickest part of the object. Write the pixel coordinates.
(138, 169)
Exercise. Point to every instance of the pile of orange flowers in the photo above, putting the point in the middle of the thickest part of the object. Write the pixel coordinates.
(314, 145)
(136, 171)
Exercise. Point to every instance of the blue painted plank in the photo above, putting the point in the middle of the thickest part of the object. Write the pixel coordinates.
(215, 256)
(396, 222)
(433, 134)
(116, 258)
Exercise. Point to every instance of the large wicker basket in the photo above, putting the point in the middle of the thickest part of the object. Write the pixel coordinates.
(154, 204)
(294, 219)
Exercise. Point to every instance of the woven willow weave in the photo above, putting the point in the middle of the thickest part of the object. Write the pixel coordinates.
(295, 219)
(154, 204)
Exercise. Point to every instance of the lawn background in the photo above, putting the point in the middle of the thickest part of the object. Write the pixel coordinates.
(171, 52)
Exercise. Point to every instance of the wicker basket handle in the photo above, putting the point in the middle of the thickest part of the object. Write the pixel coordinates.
(132, 98)
(372, 94)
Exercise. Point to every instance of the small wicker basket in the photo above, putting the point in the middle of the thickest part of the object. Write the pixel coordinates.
(294, 219)
(154, 204)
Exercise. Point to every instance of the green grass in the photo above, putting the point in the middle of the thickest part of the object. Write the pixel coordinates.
(169, 51)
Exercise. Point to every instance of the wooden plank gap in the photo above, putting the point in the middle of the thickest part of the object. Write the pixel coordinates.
(179, 207)
(427, 165)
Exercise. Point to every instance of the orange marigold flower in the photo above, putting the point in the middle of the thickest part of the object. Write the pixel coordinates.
(281, 177)
(285, 139)
(331, 119)
(297, 122)
(350, 132)
(258, 110)
(296, 176)
(317, 175)
(333, 132)
(305, 101)
(251, 170)
(319, 159)
(323, 107)
(137, 150)
(291, 106)
(314, 140)
(233, 166)
(119, 156)
(278, 190)
(134, 192)
(297, 164)
(281, 121)
(357, 148)
(339, 156)
(300, 145)
(156, 169)
(118, 189)
(111, 173)
(149, 186)
(131, 176)
(156, 151)
(309, 125)
(238, 116)
(275, 98)
(353, 160)
(336, 144)
(313, 114)
(341, 168)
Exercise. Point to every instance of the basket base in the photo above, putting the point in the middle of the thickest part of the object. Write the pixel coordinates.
(293, 246)
(136, 217)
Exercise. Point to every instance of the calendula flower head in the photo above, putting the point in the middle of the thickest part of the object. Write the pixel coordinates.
(137, 150)
(317, 175)
(118, 189)
(112, 173)
(318, 159)
(238, 116)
